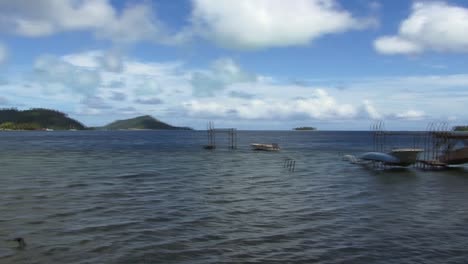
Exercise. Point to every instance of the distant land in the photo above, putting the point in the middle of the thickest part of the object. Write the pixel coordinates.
(305, 128)
(47, 119)
(141, 122)
(37, 119)
(460, 128)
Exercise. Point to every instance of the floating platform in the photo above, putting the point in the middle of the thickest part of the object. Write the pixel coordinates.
(265, 147)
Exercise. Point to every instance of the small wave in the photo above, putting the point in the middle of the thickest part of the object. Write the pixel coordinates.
(137, 175)
(55, 250)
(100, 228)
(77, 185)
(36, 222)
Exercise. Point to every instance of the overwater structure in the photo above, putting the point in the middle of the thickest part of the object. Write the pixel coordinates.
(212, 133)
(444, 147)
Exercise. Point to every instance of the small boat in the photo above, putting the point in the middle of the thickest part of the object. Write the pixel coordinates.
(455, 157)
(265, 147)
(406, 156)
(397, 157)
(455, 145)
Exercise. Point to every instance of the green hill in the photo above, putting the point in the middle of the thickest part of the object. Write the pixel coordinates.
(142, 122)
(460, 128)
(36, 119)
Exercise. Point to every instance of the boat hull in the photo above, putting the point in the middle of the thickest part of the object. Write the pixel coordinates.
(397, 157)
(265, 147)
(406, 156)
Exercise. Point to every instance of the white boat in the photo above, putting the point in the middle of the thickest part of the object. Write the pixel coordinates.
(265, 147)
(397, 157)
(406, 156)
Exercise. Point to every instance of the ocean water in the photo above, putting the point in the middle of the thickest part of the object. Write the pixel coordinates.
(158, 197)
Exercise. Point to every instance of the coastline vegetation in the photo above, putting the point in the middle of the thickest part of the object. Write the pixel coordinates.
(305, 128)
(37, 119)
(460, 128)
(141, 123)
(48, 119)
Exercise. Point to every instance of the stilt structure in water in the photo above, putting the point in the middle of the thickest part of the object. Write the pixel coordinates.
(444, 147)
(289, 164)
(212, 132)
(436, 148)
(391, 148)
(379, 136)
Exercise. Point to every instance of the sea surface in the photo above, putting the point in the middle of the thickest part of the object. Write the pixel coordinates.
(159, 197)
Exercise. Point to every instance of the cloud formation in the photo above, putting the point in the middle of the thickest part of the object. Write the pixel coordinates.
(95, 102)
(3, 101)
(55, 74)
(222, 73)
(411, 115)
(166, 90)
(3, 53)
(117, 96)
(149, 101)
(318, 105)
(246, 24)
(431, 26)
(41, 18)
(242, 24)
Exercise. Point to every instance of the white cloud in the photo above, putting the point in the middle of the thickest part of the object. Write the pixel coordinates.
(223, 72)
(370, 110)
(46, 17)
(432, 26)
(318, 105)
(88, 59)
(55, 74)
(248, 24)
(149, 101)
(112, 61)
(165, 90)
(411, 115)
(396, 45)
(95, 102)
(3, 53)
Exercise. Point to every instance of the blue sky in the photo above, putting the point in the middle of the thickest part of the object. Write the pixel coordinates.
(251, 64)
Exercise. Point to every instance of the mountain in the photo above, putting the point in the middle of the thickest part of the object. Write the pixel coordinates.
(36, 119)
(142, 122)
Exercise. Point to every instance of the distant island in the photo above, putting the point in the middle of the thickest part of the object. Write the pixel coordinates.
(141, 123)
(47, 119)
(305, 128)
(37, 119)
(460, 128)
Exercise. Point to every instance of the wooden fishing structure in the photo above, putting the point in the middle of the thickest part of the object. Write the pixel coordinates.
(439, 145)
(444, 147)
(390, 148)
(386, 141)
(212, 133)
(289, 164)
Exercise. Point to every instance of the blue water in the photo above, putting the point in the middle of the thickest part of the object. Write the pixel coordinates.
(158, 197)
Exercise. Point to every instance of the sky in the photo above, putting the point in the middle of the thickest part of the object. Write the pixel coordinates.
(249, 64)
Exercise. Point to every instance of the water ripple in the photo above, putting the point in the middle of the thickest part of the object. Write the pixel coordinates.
(152, 197)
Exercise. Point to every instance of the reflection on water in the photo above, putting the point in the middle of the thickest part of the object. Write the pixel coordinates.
(146, 197)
